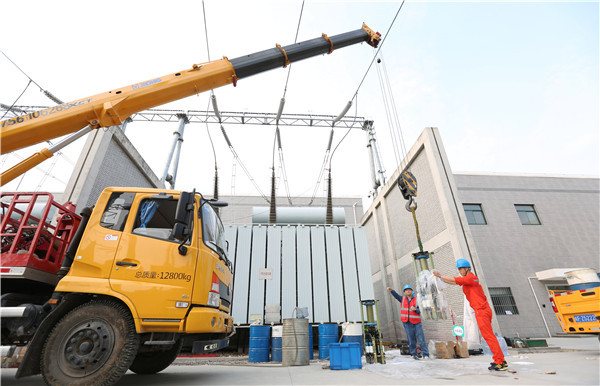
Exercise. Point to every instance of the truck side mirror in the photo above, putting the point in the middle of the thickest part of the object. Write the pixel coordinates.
(185, 207)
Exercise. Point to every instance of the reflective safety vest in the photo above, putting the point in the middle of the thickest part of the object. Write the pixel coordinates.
(406, 315)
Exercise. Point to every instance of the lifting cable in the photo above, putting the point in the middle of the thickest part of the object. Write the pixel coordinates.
(392, 119)
(399, 133)
(378, 49)
(354, 97)
(398, 128)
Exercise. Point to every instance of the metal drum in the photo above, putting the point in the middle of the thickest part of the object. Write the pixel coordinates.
(352, 332)
(295, 342)
(276, 337)
(310, 342)
(328, 333)
(259, 343)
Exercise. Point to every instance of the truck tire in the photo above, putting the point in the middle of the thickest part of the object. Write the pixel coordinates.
(93, 344)
(152, 362)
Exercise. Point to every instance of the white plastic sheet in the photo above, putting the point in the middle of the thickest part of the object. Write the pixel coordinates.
(405, 367)
(431, 297)
(501, 342)
(472, 336)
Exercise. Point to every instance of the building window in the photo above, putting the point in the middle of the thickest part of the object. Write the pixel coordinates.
(527, 215)
(503, 301)
(474, 214)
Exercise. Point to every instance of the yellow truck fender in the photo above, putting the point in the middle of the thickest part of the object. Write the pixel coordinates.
(98, 286)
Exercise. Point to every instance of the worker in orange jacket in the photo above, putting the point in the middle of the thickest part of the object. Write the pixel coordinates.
(483, 313)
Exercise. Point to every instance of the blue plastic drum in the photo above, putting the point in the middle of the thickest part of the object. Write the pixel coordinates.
(352, 332)
(328, 333)
(276, 342)
(259, 343)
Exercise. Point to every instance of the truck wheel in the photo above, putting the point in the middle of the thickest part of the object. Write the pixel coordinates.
(152, 362)
(93, 344)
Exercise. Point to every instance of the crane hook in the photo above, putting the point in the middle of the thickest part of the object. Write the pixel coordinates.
(410, 204)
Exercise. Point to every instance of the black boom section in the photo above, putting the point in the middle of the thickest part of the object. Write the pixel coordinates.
(266, 60)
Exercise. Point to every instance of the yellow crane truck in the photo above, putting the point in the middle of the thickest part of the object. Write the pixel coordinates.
(121, 285)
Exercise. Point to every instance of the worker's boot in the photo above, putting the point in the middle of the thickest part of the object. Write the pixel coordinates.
(496, 367)
(504, 364)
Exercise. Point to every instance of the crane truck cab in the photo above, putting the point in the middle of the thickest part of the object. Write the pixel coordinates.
(149, 268)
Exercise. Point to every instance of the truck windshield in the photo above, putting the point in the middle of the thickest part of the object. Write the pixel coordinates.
(213, 231)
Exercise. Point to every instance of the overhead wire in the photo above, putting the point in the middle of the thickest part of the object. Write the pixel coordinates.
(329, 154)
(213, 100)
(216, 178)
(355, 96)
(347, 132)
(378, 49)
(56, 100)
(16, 100)
(277, 139)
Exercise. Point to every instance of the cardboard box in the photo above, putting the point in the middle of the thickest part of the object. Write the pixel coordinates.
(441, 351)
(462, 349)
(451, 347)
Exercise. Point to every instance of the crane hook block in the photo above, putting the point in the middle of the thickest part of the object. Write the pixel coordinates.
(407, 184)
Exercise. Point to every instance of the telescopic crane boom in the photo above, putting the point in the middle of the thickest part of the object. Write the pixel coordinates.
(114, 106)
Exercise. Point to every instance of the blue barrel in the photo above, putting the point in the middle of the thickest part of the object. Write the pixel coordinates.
(276, 340)
(310, 342)
(352, 332)
(328, 333)
(259, 343)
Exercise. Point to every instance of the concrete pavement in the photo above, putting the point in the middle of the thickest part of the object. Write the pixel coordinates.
(578, 363)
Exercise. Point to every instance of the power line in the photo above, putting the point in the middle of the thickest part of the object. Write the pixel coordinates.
(379, 49)
(19, 68)
(355, 96)
(46, 92)
(295, 40)
(16, 100)
(277, 139)
(205, 30)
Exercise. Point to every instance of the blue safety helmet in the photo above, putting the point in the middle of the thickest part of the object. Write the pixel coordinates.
(462, 263)
(407, 287)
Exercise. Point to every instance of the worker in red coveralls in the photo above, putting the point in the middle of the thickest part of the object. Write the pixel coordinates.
(483, 313)
(411, 318)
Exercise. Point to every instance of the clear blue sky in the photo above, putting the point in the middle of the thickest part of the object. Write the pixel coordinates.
(512, 86)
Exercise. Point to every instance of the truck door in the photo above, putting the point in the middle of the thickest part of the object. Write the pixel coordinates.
(148, 268)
